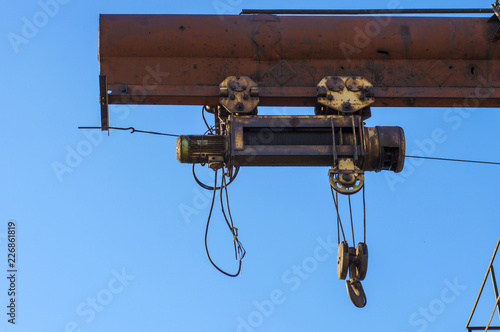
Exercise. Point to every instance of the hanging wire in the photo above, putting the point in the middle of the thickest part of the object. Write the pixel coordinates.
(238, 247)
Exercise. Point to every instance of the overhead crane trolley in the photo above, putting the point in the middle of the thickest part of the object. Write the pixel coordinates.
(233, 66)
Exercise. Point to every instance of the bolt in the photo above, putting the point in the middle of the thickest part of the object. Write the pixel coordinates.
(349, 87)
(245, 96)
(346, 177)
(233, 97)
(321, 92)
(244, 87)
(362, 97)
(329, 84)
(330, 97)
(237, 77)
(346, 106)
(359, 87)
(239, 106)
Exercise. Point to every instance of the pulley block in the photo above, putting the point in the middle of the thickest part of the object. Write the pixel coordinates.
(346, 178)
(342, 260)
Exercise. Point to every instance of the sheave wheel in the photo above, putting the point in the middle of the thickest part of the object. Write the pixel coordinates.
(342, 260)
(362, 255)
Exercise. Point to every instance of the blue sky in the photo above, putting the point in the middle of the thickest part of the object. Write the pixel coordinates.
(105, 247)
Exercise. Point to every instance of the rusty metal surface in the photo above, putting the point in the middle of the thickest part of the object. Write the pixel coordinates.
(411, 61)
(398, 11)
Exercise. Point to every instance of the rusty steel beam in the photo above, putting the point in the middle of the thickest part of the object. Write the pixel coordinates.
(411, 61)
(367, 11)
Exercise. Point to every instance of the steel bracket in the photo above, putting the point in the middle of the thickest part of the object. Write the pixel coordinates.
(103, 100)
(239, 95)
(345, 94)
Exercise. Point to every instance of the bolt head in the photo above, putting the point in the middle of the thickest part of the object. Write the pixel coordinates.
(239, 106)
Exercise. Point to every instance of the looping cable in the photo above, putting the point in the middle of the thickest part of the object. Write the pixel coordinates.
(239, 250)
(207, 187)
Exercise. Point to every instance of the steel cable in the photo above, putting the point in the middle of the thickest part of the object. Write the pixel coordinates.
(339, 221)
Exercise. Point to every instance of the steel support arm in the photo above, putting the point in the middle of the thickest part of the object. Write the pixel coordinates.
(411, 61)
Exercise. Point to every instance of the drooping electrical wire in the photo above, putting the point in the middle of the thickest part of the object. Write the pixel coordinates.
(131, 128)
(238, 247)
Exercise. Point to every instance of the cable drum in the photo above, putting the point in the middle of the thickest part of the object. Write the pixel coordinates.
(301, 141)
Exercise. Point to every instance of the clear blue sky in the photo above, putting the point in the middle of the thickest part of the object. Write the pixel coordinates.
(105, 247)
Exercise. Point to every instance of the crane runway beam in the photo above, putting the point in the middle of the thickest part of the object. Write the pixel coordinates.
(411, 61)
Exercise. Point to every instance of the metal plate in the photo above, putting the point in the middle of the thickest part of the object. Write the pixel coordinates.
(362, 255)
(342, 260)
